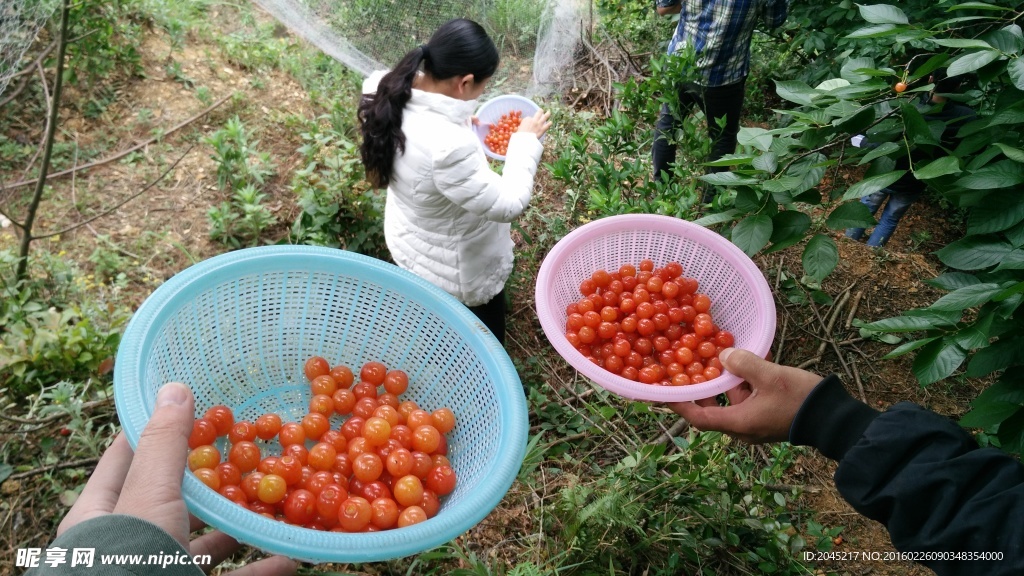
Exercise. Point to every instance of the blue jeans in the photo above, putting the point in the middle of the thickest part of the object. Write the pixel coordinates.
(895, 208)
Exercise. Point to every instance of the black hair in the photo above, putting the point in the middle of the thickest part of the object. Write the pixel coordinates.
(946, 84)
(457, 48)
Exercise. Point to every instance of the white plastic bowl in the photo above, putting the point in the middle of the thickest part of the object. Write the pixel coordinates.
(492, 111)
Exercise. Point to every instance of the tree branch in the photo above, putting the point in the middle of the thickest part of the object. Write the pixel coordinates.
(123, 153)
(122, 203)
(25, 72)
(51, 128)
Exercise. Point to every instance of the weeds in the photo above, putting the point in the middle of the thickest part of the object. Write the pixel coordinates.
(339, 208)
(242, 169)
(605, 162)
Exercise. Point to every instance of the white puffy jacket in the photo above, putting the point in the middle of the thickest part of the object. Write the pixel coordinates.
(447, 214)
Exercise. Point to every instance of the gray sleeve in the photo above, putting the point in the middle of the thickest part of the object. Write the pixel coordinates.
(113, 545)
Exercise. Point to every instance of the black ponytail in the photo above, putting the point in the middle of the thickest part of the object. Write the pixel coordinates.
(457, 48)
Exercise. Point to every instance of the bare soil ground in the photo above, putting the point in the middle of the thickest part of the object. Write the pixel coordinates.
(166, 229)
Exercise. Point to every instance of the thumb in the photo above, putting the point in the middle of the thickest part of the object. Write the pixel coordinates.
(744, 363)
(152, 489)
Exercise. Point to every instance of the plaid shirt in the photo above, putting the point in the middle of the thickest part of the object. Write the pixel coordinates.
(720, 33)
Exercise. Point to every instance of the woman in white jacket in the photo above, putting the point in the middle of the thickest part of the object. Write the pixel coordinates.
(447, 215)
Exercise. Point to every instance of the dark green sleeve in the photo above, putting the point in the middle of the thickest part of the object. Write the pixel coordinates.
(121, 545)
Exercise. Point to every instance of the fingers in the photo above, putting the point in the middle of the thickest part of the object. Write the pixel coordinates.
(743, 363)
(104, 486)
(706, 402)
(218, 545)
(273, 566)
(195, 523)
(152, 489)
(543, 119)
(539, 123)
(739, 393)
(715, 418)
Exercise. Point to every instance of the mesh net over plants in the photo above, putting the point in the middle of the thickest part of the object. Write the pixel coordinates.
(535, 37)
(20, 22)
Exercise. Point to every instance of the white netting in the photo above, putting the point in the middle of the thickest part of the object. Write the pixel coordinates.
(20, 21)
(536, 38)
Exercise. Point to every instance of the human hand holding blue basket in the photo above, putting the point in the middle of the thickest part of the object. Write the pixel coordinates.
(239, 327)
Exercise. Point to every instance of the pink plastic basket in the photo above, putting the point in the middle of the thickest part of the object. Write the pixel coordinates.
(742, 302)
(492, 111)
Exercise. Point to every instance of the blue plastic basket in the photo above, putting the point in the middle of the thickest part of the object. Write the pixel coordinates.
(238, 329)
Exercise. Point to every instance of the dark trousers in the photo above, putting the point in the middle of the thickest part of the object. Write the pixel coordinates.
(716, 102)
(492, 314)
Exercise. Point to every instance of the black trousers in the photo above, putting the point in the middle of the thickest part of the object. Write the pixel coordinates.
(492, 314)
(716, 102)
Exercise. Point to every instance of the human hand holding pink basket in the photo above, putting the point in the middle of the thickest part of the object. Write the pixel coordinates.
(742, 302)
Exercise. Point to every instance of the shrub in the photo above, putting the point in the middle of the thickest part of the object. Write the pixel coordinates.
(50, 331)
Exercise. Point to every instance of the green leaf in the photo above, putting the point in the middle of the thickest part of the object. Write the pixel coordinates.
(731, 160)
(1015, 68)
(966, 297)
(971, 61)
(988, 414)
(810, 177)
(1016, 235)
(767, 162)
(974, 252)
(875, 31)
(1012, 261)
(872, 184)
(961, 43)
(795, 91)
(753, 136)
(977, 334)
(820, 257)
(1003, 353)
(909, 347)
(1006, 40)
(717, 218)
(1008, 292)
(883, 149)
(853, 214)
(1002, 174)
(977, 6)
(788, 228)
(999, 212)
(918, 129)
(856, 122)
(932, 64)
(752, 233)
(832, 84)
(1004, 390)
(905, 324)
(882, 14)
(747, 200)
(938, 360)
(782, 184)
(1011, 433)
(940, 317)
(940, 167)
(1015, 154)
(850, 69)
(728, 179)
(953, 280)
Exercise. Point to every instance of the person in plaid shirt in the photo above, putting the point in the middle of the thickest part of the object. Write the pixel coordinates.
(719, 31)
